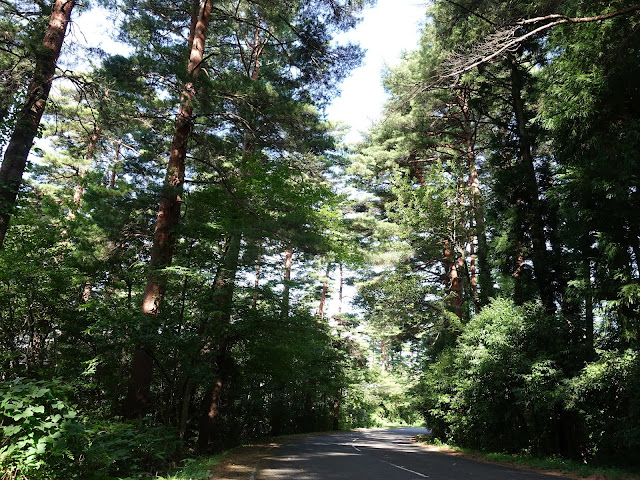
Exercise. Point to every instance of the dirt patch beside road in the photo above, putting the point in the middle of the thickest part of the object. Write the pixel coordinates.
(241, 463)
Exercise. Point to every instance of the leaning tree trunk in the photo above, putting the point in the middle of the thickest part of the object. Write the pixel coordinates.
(164, 237)
(28, 121)
(209, 430)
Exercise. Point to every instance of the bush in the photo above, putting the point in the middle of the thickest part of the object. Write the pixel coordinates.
(129, 450)
(500, 388)
(606, 397)
(41, 436)
(44, 438)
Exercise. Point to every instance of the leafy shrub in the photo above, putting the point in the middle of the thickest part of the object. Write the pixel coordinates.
(606, 396)
(43, 438)
(41, 435)
(500, 388)
(129, 449)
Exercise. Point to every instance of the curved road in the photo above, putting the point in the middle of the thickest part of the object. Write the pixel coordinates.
(385, 454)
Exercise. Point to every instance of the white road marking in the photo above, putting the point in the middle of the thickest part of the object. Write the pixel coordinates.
(397, 466)
(406, 469)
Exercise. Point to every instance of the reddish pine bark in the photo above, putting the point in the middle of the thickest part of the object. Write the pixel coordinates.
(21, 141)
(169, 211)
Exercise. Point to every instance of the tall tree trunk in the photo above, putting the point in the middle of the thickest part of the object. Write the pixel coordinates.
(225, 284)
(184, 409)
(340, 290)
(288, 261)
(28, 121)
(335, 413)
(384, 357)
(540, 257)
(456, 281)
(223, 302)
(479, 259)
(169, 210)
(452, 280)
(323, 294)
(82, 172)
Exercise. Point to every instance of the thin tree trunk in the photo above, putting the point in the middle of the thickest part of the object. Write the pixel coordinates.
(225, 284)
(323, 294)
(82, 172)
(451, 279)
(383, 354)
(286, 291)
(340, 290)
(588, 310)
(114, 165)
(28, 121)
(256, 286)
(479, 260)
(335, 414)
(518, 284)
(473, 275)
(457, 267)
(184, 410)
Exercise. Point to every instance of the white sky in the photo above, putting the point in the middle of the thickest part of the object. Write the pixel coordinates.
(387, 29)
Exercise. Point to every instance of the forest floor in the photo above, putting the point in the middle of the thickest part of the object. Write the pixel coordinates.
(242, 463)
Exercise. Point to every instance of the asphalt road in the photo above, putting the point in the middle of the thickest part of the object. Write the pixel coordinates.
(386, 454)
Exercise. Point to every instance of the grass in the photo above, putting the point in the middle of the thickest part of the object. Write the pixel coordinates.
(556, 464)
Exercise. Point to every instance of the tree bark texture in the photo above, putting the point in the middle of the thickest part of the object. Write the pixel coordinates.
(169, 210)
(28, 121)
(323, 294)
(340, 290)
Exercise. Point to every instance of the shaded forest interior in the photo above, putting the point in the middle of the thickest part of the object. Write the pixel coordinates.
(180, 228)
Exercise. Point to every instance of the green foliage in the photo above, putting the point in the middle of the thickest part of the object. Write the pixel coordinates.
(606, 396)
(42, 437)
(116, 449)
(503, 377)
